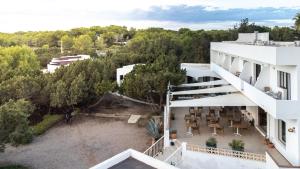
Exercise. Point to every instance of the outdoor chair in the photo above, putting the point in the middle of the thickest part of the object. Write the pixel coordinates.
(187, 117)
(267, 89)
(195, 126)
(221, 129)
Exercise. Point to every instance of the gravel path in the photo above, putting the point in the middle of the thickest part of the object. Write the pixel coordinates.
(87, 142)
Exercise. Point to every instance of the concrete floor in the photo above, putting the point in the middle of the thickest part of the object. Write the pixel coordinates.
(252, 138)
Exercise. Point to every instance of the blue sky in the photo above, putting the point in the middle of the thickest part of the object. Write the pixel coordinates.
(20, 15)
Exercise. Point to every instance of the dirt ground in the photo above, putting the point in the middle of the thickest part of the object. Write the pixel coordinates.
(88, 141)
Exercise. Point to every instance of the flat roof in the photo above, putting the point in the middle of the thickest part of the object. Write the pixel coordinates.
(131, 163)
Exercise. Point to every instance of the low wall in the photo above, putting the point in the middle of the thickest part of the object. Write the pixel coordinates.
(204, 160)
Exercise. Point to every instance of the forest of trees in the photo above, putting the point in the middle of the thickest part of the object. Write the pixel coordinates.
(26, 94)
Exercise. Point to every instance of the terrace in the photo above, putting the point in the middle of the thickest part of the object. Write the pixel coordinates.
(224, 134)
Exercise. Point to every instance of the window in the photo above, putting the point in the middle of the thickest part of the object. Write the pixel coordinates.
(121, 77)
(262, 119)
(284, 82)
(282, 131)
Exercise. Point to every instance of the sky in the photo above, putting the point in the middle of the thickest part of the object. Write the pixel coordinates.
(34, 15)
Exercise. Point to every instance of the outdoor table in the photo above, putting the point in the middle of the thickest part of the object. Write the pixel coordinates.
(215, 126)
(238, 126)
(189, 132)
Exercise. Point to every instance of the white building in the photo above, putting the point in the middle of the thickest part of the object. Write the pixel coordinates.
(64, 61)
(121, 72)
(253, 77)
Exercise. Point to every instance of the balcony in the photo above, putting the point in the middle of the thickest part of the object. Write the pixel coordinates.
(275, 55)
(277, 108)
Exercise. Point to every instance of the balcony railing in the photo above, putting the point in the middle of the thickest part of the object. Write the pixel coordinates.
(228, 153)
(155, 148)
(175, 158)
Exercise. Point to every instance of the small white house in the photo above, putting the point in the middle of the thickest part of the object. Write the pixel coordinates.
(121, 72)
(64, 61)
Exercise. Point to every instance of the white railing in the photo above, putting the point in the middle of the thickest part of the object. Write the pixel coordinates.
(226, 152)
(175, 158)
(155, 148)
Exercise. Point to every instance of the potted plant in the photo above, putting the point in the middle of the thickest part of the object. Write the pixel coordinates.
(152, 128)
(270, 144)
(237, 145)
(173, 134)
(211, 142)
(266, 141)
(172, 116)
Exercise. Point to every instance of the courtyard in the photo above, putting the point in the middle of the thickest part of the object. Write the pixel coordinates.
(87, 142)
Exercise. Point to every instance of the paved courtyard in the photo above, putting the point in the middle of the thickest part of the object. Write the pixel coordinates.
(87, 142)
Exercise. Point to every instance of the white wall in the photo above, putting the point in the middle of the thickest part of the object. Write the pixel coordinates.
(136, 155)
(198, 70)
(266, 54)
(122, 72)
(51, 68)
(291, 150)
(246, 74)
(198, 160)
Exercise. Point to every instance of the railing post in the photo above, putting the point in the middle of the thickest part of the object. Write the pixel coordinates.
(183, 148)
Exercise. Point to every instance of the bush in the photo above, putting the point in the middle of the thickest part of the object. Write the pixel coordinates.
(22, 135)
(211, 142)
(237, 145)
(48, 122)
(153, 128)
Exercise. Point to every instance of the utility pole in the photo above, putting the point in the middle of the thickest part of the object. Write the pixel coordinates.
(61, 47)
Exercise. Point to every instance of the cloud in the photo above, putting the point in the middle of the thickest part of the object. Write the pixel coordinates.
(171, 14)
(194, 14)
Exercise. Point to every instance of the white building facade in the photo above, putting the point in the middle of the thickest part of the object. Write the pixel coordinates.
(268, 73)
(265, 72)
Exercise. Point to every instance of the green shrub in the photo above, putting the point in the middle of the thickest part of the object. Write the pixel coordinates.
(22, 135)
(48, 122)
(237, 145)
(211, 142)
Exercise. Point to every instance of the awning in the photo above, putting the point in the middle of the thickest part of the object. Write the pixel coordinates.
(210, 83)
(221, 89)
(236, 99)
(196, 73)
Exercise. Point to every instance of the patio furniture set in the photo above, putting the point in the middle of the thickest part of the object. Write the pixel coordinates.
(213, 119)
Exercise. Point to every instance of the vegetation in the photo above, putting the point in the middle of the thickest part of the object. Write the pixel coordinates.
(14, 126)
(25, 92)
(48, 121)
(297, 21)
(237, 145)
(153, 129)
(211, 142)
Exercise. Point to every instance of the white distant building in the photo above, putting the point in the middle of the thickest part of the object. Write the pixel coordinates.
(64, 61)
(250, 91)
(121, 72)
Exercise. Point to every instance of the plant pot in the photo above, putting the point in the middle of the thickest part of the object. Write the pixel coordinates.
(173, 136)
(266, 141)
(153, 141)
(271, 145)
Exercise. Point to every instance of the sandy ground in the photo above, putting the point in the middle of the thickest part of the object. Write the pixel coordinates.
(86, 142)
